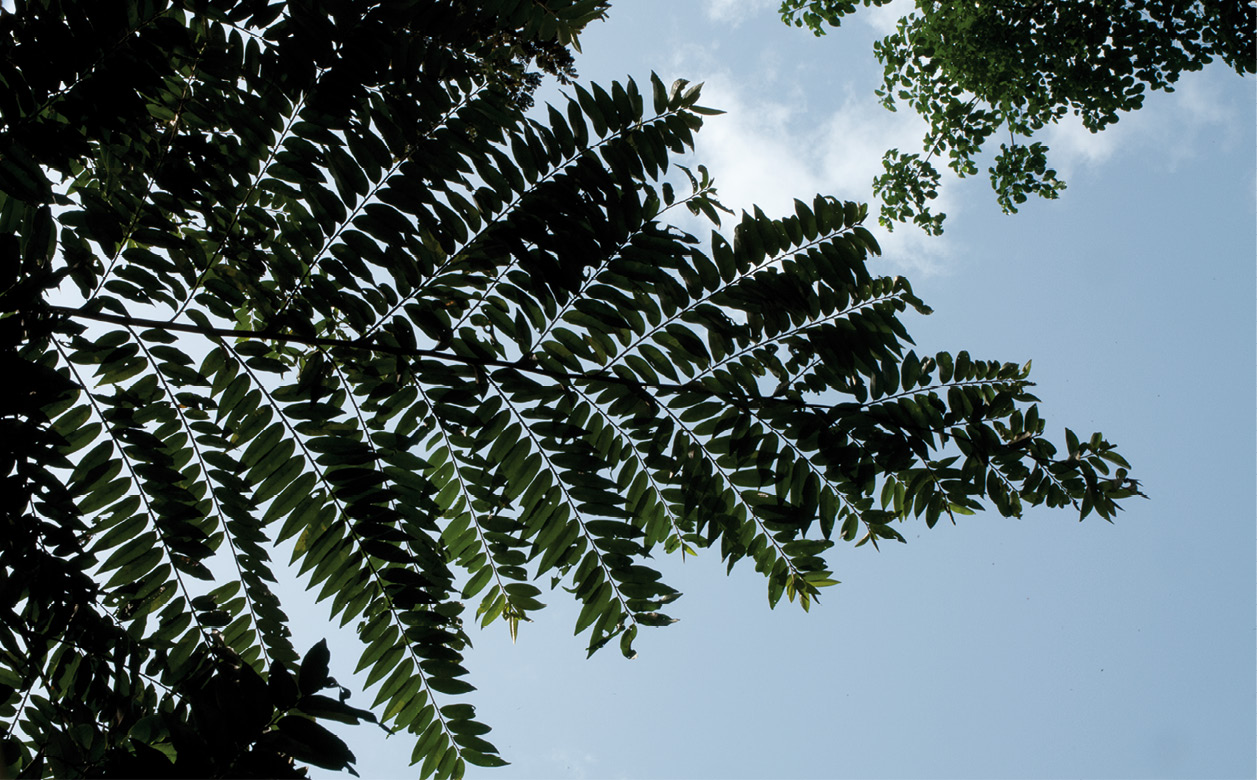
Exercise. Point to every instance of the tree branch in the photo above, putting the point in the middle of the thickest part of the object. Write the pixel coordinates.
(521, 365)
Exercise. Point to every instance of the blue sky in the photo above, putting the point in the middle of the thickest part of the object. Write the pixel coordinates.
(1038, 647)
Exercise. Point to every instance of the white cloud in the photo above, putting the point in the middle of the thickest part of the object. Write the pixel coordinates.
(1075, 146)
(776, 143)
(1166, 132)
(768, 149)
(735, 11)
(883, 19)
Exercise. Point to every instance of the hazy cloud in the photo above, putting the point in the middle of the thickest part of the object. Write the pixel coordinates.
(735, 11)
(767, 150)
(775, 144)
(884, 18)
(1167, 131)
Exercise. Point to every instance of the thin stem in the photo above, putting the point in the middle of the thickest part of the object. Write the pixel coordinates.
(366, 345)
(196, 448)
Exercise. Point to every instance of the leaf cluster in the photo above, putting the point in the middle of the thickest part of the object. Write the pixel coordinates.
(314, 283)
(980, 72)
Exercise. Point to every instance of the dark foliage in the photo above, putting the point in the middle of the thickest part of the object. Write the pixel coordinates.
(977, 72)
(303, 274)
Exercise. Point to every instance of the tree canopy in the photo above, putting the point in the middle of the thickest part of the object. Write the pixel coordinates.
(981, 72)
(304, 277)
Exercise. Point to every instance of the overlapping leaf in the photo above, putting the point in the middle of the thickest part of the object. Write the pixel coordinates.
(338, 293)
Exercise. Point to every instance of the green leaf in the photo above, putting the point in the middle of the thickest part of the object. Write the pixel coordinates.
(311, 743)
(449, 348)
(313, 676)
